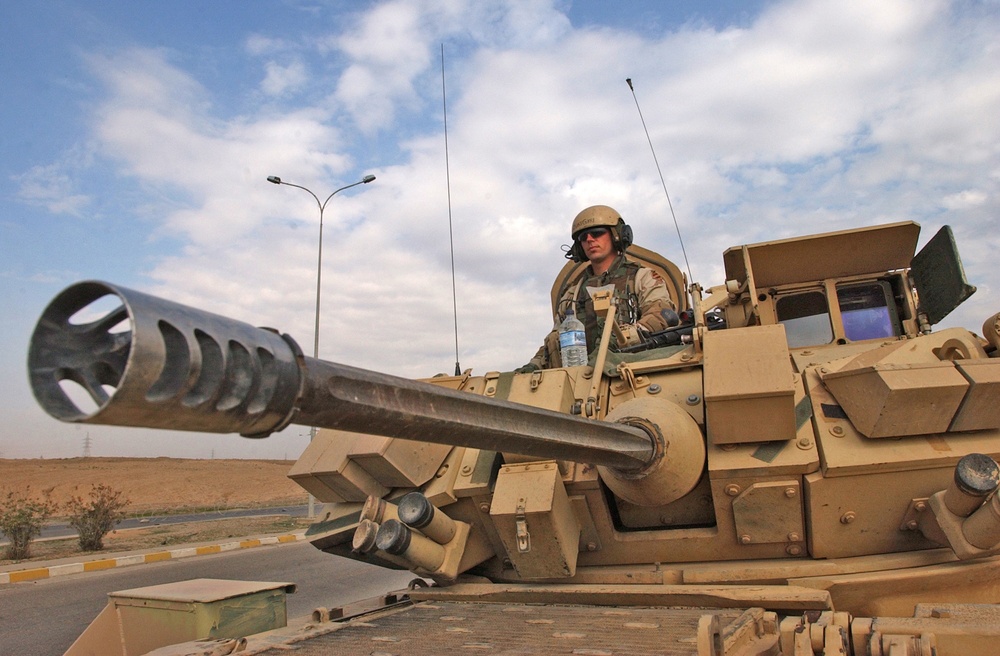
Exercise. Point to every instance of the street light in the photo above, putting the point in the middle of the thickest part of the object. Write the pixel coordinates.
(273, 179)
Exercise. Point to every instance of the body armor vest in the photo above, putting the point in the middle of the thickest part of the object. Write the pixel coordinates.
(622, 275)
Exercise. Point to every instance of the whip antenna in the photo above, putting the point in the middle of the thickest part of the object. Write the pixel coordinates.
(662, 182)
(451, 237)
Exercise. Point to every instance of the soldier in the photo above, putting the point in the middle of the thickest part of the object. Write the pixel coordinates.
(601, 237)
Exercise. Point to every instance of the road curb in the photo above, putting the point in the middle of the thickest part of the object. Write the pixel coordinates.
(37, 573)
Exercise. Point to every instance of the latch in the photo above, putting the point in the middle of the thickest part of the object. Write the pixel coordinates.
(536, 380)
(491, 379)
(629, 382)
(521, 528)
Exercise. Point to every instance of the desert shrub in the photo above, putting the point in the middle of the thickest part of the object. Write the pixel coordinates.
(94, 518)
(21, 519)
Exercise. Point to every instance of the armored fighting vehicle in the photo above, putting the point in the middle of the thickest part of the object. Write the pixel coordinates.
(800, 466)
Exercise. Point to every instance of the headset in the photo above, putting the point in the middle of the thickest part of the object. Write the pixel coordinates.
(621, 239)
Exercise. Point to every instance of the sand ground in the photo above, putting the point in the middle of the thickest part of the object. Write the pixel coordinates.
(158, 485)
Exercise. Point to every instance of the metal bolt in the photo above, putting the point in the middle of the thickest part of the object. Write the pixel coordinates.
(732, 489)
(484, 508)
(745, 539)
(794, 537)
(790, 492)
(848, 517)
(654, 389)
(911, 525)
(466, 470)
(793, 550)
(920, 506)
(837, 431)
(591, 546)
(693, 399)
(804, 443)
(686, 357)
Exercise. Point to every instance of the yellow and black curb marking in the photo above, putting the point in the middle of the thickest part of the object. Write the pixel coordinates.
(37, 573)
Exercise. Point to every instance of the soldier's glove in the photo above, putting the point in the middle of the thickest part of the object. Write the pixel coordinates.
(531, 367)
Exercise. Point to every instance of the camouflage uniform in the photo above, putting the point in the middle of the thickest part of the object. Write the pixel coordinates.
(641, 295)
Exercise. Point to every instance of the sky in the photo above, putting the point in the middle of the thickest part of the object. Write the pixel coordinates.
(138, 138)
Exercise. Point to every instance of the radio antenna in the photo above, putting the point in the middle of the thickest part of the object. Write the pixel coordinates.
(451, 237)
(662, 182)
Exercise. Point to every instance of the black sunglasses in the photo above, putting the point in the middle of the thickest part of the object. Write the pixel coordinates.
(592, 232)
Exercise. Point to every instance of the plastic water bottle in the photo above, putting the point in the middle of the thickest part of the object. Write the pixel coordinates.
(572, 341)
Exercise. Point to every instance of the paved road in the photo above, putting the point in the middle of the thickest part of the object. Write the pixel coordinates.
(45, 617)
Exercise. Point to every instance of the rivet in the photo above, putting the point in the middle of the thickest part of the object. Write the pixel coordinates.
(694, 399)
(654, 389)
(732, 489)
(686, 357)
(823, 370)
(920, 506)
(491, 390)
(793, 550)
(794, 537)
(912, 525)
(837, 431)
(591, 546)
(466, 470)
(804, 443)
(484, 508)
(745, 539)
(790, 492)
(848, 517)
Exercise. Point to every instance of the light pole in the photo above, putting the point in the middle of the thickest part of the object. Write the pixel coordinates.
(273, 179)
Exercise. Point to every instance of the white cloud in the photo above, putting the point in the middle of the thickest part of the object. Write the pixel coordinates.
(51, 186)
(261, 44)
(388, 48)
(282, 79)
(966, 198)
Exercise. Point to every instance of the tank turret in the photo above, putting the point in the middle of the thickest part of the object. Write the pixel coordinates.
(802, 433)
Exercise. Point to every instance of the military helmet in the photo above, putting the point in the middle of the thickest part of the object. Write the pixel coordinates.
(599, 216)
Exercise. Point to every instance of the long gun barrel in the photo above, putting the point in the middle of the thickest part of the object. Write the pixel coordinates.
(154, 363)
